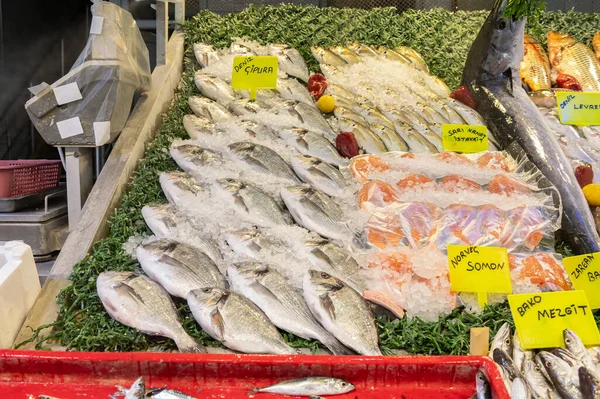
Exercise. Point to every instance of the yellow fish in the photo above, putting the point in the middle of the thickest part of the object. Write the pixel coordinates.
(570, 57)
(535, 67)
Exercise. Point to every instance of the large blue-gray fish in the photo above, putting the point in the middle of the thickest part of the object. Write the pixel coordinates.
(492, 75)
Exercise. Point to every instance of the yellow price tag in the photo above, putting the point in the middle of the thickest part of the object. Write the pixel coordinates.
(254, 72)
(464, 138)
(542, 317)
(479, 269)
(584, 272)
(578, 108)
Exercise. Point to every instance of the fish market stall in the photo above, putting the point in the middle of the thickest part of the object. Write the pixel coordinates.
(317, 217)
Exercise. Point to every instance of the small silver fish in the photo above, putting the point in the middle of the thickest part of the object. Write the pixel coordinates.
(560, 374)
(367, 140)
(140, 303)
(255, 203)
(346, 54)
(392, 141)
(309, 386)
(483, 390)
(202, 106)
(362, 50)
(576, 346)
(501, 340)
(539, 385)
(193, 158)
(314, 144)
(179, 267)
(235, 321)
(214, 88)
(372, 115)
(319, 175)
(342, 311)
(198, 126)
(262, 159)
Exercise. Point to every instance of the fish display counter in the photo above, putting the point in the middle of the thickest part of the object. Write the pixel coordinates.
(317, 217)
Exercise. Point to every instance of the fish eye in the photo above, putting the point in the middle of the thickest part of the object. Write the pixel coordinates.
(325, 275)
(502, 24)
(548, 363)
(344, 384)
(206, 290)
(567, 340)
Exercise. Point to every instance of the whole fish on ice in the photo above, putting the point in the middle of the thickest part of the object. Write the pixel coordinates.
(320, 175)
(262, 159)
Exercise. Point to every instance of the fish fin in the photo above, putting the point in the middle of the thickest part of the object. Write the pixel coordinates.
(239, 201)
(302, 143)
(155, 391)
(125, 289)
(327, 304)
(218, 324)
(164, 258)
(316, 171)
(263, 290)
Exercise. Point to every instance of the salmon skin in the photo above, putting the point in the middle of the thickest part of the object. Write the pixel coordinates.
(535, 67)
(492, 76)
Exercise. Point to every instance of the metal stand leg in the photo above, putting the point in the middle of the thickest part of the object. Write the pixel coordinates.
(80, 173)
(162, 32)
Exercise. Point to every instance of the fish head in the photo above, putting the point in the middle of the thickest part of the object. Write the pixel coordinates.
(181, 180)
(240, 49)
(329, 70)
(206, 297)
(573, 342)
(231, 185)
(498, 48)
(113, 278)
(482, 384)
(566, 355)
(138, 389)
(339, 386)
(242, 148)
(198, 154)
(240, 236)
(158, 247)
(500, 356)
(316, 242)
(306, 160)
(324, 282)
(250, 270)
(588, 378)
(502, 338)
(557, 43)
(557, 369)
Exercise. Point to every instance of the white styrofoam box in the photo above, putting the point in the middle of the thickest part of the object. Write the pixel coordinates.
(19, 287)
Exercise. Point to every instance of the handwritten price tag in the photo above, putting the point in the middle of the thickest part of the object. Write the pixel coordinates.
(464, 138)
(254, 73)
(479, 269)
(578, 108)
(584, 272)
(542, 317)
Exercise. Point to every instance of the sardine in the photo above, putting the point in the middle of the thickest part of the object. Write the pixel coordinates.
(290, 61)
(483, 389)
(535, 67)
(309, 386)
(254, 243)
(392, 141)
(491, 75)
(193, 158)
(205, 54)
(328, 256)
(319, 175)
(561, 375)
(198, 126)
(140, 303)
(160, 219)
(214, 88)
(291, 89)
(247, 107)
(280, 301)
(540, 387)
(178, 267)
(262, 159)
(314, 144)
(570, 57)
(501, 340)
(342, 311)
(589, 384)
(235, 321)
(346, 54)
(253, 202)
(202, 106)
(177, 185)
(327, 57)
(316, 212)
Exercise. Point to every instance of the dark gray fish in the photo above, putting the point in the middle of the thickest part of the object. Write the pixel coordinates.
(483, 389)
(263, 159)
(492, 76)
(589, 384)
(503, 359)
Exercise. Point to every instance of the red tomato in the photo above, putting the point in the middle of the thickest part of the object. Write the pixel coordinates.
(346, 144)
(584, 175)
(317, 84)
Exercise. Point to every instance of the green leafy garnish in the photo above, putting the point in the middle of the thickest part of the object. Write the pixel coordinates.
(518, 9)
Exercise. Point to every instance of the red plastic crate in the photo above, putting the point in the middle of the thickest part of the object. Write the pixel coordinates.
(70, 375)
(24, 177)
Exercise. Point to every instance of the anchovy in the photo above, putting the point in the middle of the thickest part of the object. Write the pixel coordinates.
(492, 76)
(140, 303)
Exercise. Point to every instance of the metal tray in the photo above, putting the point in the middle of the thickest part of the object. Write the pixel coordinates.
(9, 205)
(70, 375)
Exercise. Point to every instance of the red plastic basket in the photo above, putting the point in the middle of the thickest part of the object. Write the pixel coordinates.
(24, 177)
(70, 375)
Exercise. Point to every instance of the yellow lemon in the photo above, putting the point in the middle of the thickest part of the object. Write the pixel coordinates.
(592, 194)
(326, 103)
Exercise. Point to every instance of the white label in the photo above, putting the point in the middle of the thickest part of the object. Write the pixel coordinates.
(96, 26)
(69, 128)
(102, 132)
(67, 93)
(38, 88)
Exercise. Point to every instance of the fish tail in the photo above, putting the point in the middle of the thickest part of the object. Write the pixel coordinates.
(336, 347)
(187, 344)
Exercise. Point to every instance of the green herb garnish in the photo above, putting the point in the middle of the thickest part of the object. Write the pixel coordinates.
(518, 9)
